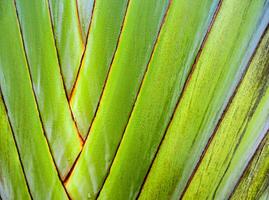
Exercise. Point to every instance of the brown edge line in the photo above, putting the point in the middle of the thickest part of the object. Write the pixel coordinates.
(61, 74)
(72, 168)
(55, 45)
(182, 92)
(83, 54)
(184, 88)
(222, 115)
(16, 144)
(79, 23)
(36, 104)
(263, 140)
(109, 69)
(261, 145)
(139, 89)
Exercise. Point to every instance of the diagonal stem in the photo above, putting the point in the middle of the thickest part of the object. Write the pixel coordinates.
(61, 73)
(17, 148)
(35, 97)
(83, 54)
(221, 118)
(140, 86)
(72, 168)
(79, 22)
(260, 146)
(184, 88)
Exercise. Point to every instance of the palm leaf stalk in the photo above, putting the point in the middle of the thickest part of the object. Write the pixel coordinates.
(207, 94)
(253, 182)
(84, 12)
(106, 23)
(232, 140)
(134, 99)
(32, 144)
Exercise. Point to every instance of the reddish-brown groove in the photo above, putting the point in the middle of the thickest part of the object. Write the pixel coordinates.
(71, 169)
(55, 45)
(35, 98)
(61, 75)
(183, 89)
(73, 118)
(261, 145)
(83, 54)
(101, 92)
(140, 86)
(14, 139)
(79, 24)
(109, 70)
(222, 116)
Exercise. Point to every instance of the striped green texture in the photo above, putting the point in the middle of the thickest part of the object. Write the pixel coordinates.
(68, 40)
(11, 171)
(40, 171)
(265, 194)
(115, 107)
(102, 41)
(47, 82)
(172, 59)
(85, 8)
(223, 59)
(241, 130)
(254, 181)
(134, 99)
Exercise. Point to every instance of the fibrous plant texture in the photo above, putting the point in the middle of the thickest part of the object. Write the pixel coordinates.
(134, 99)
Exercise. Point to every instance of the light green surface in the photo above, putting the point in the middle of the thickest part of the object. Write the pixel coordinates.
(136, 82)
(68, 36)
(85, 8)
(243, 126)
(172, 59)
(103, 37)
(12, 181)
(217, 72)
(265, 194)
(17, 92)
(256, 178)
(137, 39)
(47, 83)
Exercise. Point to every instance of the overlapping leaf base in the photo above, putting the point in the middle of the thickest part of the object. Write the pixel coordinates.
(134, 99)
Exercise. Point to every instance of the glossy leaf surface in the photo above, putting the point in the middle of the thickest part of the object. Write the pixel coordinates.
(230, 44)
(40, 171)
(102, 41)
(85, 8)
(134, 99)
(119, 96)
(241, 130)
(12, 181)
(47, 83)
(255, 180)
(171, 62)
(68, 40)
